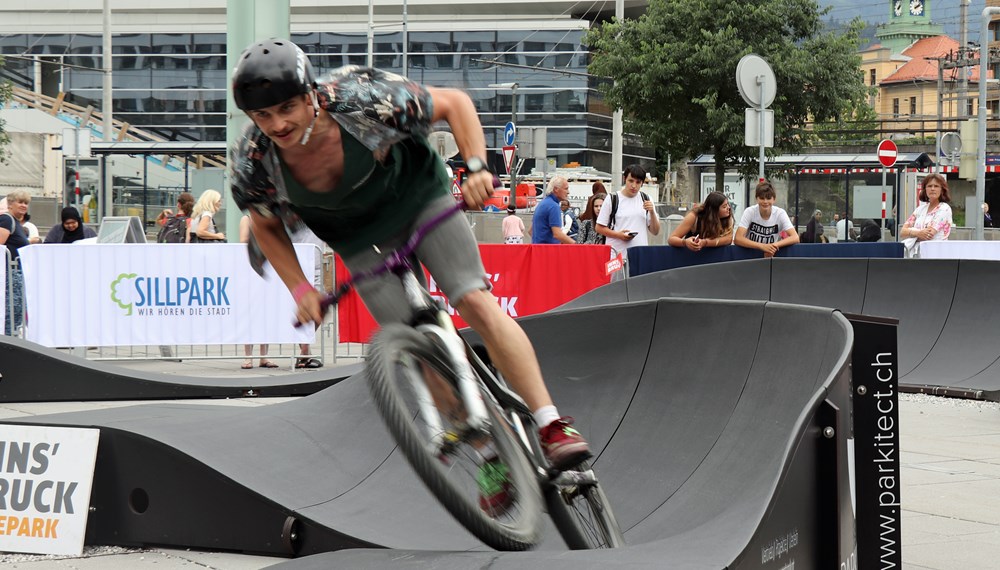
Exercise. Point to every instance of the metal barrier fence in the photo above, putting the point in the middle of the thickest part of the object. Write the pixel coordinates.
(14, 315)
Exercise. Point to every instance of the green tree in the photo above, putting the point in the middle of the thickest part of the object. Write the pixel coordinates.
(674, 72)
(5, 95)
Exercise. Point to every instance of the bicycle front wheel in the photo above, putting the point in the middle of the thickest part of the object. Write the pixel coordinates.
(583, 515)
(480, 476)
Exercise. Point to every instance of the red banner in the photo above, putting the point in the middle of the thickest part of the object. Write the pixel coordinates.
(526, 279)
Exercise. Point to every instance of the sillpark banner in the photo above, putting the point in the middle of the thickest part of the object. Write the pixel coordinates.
(156, 294)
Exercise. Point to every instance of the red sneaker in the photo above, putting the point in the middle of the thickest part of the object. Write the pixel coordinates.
(564, 446)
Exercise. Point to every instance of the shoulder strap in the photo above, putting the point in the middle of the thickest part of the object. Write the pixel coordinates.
(614, 210)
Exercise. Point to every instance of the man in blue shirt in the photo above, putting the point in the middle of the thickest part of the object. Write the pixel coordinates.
(546, 224)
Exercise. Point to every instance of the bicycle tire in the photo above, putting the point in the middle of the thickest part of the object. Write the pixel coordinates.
(583, 515)
(393, 366)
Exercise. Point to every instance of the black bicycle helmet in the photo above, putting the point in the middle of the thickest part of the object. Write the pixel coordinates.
(271, 72)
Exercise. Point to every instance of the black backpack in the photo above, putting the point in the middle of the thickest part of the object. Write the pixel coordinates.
(614, 208)
(173, 230)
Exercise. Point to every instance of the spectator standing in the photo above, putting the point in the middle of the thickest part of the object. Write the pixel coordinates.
(987, 218)
(22, 197)
(588, 220)
(762, 224)
(569, 224)
(248, 348)
(546, 224)
(845, 230)
(931, 221)
(13, 236)
(513, 227)
(71, 229)
(630, 215)
(172, 223)
(707, 225)
(203, 222)
(598, 188)
(814, 229)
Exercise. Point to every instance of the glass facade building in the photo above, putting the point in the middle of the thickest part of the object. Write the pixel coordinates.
(174, 84)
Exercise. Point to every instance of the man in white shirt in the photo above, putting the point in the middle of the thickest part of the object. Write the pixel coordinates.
(626, 225)
(845, 228)
(762, 225)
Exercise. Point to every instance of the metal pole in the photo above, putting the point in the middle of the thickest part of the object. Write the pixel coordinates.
(371, 32)
(940, 114)
(406, 36)
(884, 193)
(617, 127)
(512, 197)
(984, 51)
(107, 93)
(963, 51)
(761, 80)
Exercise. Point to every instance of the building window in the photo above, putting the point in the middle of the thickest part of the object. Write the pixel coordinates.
(872, 76)
(970, 107)
(895, 107)
(993, 107)
(913, 105)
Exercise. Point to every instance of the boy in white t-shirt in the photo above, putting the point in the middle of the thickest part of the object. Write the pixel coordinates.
(633, 217)
(761, 225)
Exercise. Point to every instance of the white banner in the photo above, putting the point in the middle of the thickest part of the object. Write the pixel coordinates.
(947, 249)
(156, 294)
(47, 476)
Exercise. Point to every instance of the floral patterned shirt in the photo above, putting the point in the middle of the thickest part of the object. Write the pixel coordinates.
(376, 107)
(939, 219)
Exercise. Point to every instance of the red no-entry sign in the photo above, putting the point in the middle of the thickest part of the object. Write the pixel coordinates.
(887, 153)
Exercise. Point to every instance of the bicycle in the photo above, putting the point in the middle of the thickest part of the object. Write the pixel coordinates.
(419, 369)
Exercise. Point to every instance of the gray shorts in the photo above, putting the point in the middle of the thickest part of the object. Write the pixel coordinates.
(449, 252)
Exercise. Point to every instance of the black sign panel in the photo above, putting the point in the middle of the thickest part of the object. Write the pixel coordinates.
(876, 450)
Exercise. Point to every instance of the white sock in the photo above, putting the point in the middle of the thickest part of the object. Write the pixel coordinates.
(546, 415)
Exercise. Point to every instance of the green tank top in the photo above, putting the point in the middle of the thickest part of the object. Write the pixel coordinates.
(374, 201)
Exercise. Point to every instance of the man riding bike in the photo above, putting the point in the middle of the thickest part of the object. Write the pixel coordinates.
(346, 154)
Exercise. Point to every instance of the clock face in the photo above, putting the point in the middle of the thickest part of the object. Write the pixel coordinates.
(916, 7)
(897, 8)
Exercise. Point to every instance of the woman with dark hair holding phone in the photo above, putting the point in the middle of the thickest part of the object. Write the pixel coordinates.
(709, 224)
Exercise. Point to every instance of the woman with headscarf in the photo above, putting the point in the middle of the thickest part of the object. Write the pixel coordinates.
(814, 229)
(71, 229)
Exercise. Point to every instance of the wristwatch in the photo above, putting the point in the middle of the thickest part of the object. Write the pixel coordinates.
(475, 164)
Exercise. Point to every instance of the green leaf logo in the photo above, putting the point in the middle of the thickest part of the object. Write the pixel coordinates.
(114, 292)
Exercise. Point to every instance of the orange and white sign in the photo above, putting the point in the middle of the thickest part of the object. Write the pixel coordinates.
(45, 478)
(614, 265)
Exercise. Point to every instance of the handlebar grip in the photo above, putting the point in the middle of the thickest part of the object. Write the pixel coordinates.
(324, 305)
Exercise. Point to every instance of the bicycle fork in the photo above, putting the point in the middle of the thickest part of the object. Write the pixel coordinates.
(452, 345)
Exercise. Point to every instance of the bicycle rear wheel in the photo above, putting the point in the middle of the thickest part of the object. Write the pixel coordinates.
(445, 454)
(583, 515)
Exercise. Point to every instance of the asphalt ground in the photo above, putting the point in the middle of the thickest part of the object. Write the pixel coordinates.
(950, 455)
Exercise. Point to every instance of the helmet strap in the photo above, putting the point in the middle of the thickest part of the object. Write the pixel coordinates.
(305, 137)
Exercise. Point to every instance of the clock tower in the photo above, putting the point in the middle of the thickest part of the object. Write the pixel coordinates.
(909, 21)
